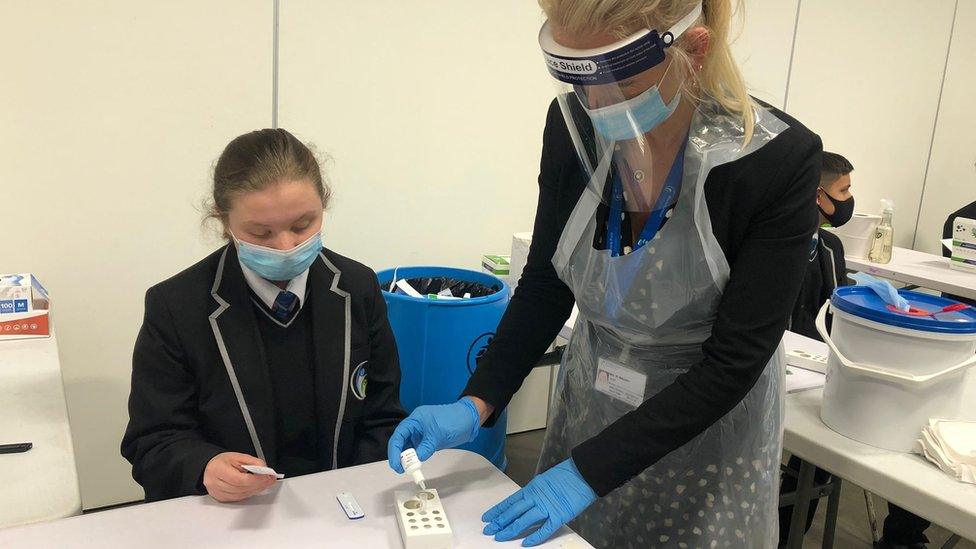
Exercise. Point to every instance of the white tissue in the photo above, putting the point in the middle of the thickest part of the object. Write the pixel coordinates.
(951, 445)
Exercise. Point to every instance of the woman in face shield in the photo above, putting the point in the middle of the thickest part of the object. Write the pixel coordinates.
(677, 213)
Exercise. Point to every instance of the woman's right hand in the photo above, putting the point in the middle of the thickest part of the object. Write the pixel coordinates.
(225, 481)
(432, 428)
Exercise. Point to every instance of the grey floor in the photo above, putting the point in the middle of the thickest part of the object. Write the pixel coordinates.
(853, 530)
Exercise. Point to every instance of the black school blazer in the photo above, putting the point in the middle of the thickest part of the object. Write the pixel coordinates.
(200, 382)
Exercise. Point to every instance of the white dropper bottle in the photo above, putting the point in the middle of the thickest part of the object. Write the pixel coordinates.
(411, 465)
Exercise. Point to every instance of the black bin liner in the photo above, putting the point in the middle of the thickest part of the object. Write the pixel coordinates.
(435, 285)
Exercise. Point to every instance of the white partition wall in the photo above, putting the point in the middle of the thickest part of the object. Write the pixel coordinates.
(111, 114)
(764, 44)
(866, 77)
(433, 114)
(951, 181)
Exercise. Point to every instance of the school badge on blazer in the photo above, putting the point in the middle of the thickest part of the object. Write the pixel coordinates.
(358, 380)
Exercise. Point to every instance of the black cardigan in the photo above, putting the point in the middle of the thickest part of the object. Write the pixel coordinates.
(826, 270)
(763, 213)
(183, 409)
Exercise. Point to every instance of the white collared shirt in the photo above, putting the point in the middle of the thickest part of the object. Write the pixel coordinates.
(268, 292)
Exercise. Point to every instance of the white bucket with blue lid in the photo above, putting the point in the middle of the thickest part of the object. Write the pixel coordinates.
(890, 371)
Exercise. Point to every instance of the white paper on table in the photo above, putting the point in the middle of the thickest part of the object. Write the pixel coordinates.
(958, 471)
(957, 438)
(946, 444)
(798, 379)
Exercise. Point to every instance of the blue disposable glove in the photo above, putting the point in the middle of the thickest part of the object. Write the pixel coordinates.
(432, 428)
(883, 288)
(553, 498)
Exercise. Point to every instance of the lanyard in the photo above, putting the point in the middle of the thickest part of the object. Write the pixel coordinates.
(668, 194)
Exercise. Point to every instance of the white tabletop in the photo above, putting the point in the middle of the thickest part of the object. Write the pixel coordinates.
(298, 512)
(42, 483)
(921, 269)
(567, 330)
(907, 480)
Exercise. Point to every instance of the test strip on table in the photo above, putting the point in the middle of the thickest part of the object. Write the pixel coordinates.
(350, 506)
(260, 470)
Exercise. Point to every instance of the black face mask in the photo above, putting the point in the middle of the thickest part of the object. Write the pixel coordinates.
(843, 210)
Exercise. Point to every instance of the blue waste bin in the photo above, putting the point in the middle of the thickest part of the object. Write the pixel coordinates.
(440, 342)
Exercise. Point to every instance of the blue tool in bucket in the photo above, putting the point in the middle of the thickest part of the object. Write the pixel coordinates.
(441, 337)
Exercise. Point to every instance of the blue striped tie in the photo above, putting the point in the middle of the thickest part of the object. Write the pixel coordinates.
(284, 305)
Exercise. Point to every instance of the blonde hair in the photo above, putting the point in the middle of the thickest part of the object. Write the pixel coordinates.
(719, 77)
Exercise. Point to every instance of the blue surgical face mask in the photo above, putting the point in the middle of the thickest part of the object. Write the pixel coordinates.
(279, 265)
(634, 117)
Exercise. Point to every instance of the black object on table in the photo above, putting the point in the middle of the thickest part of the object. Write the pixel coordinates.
(17, 448)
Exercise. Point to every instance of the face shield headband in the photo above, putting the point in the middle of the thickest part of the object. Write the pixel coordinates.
(615, 62)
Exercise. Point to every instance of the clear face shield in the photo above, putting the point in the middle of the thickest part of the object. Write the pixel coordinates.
(610, 99)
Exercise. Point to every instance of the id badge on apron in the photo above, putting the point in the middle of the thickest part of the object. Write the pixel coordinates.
(620, 382)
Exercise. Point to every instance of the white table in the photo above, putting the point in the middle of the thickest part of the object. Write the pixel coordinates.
(921, 269)
(906, 480)
(42, 483)
(297, 512)
(567, 330)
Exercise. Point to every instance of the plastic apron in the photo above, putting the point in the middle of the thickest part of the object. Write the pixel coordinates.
(649, 312)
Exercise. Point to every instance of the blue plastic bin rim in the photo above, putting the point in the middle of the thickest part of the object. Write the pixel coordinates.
(864, 302)
(386, 276)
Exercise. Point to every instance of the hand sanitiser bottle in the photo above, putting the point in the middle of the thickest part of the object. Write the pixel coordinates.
(884, 235)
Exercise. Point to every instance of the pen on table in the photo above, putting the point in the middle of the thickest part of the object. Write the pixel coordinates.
(17, 448)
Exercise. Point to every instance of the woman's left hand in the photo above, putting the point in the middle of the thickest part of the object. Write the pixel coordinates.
(553, 498)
